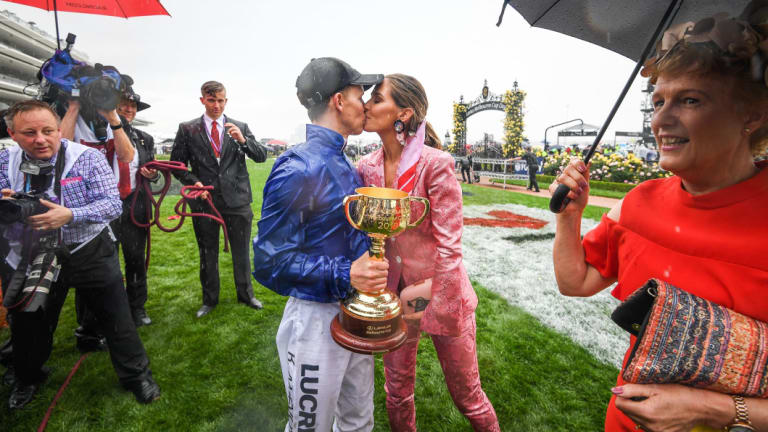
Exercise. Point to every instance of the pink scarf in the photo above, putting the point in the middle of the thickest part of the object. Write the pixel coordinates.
(406, 169)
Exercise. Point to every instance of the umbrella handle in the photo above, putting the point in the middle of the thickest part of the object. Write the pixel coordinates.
(559, 199)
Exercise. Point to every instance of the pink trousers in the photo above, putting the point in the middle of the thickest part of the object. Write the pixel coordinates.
(458, 358)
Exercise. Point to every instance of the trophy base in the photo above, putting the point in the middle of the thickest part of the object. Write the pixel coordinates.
(362, 345)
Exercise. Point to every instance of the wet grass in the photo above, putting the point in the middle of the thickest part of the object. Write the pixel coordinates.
(479, 195)
(221, 373)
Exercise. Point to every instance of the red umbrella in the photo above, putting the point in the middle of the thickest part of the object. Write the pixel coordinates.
(118, 8)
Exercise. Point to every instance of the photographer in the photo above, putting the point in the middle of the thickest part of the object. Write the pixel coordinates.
(133, 238)
(98, 127)
(77, 250)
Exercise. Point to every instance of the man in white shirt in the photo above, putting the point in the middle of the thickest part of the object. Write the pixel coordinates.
(214, 147)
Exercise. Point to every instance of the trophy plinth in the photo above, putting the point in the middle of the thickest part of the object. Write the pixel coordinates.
(372, 322)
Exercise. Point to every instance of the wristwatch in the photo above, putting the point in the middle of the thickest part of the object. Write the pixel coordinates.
(116, 127)
(741, 423)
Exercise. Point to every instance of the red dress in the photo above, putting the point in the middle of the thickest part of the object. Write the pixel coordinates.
(714, 246)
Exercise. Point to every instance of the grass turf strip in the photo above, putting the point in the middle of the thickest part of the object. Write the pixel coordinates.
(221, 373)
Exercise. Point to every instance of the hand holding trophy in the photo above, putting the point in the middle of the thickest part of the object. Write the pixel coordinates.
(371, 322)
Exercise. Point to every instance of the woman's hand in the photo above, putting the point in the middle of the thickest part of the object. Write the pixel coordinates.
(576, 177)
(665, 407)
(413, 319)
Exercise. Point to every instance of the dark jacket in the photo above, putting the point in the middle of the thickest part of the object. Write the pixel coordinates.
(531, 160)
(229, 177)
(142, 142)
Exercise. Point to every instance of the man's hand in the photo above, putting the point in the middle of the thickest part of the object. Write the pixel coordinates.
(54, 218)
(6, 193)
(149, 173)
(234, 132)
(368, 275)
(110, 116)
(73, 106)
(203, 195)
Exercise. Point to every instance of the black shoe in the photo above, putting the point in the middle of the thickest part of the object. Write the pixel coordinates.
(9, 377)
(140, 318)
(253, 303)
(88, 341)
(145, 391)
(204, 310)
(22, 394)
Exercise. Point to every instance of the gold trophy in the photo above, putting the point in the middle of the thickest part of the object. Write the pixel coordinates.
(371, 322)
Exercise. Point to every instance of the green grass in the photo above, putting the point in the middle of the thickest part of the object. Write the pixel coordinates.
(596, 191)
(221, 373)
(484, 195)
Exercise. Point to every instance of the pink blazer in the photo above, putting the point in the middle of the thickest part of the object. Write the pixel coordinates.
(433, 249)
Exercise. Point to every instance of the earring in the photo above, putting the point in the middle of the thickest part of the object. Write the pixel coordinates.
(399, 128)
(746, 130)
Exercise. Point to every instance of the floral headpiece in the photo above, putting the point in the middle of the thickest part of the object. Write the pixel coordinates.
(742, 40)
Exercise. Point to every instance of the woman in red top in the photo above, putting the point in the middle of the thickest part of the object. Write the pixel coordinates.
(704, 230)
(426, 259)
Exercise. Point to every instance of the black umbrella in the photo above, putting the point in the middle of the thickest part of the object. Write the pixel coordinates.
(628, 27)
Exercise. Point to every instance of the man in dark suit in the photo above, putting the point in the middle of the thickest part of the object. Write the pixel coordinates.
(133, 238)
(214, 146)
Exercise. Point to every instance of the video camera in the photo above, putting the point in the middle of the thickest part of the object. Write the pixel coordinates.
(97, 87)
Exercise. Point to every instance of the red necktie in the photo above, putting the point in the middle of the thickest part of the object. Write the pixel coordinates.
(216, 144)
(124, 182)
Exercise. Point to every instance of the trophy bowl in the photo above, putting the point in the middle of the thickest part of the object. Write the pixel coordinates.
(371, 322)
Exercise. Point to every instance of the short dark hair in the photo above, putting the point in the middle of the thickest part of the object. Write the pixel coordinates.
(27, 106)
(316, 111)
(211, 88)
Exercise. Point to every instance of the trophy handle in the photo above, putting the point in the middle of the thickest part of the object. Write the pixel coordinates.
(347, 200)
(423, 215)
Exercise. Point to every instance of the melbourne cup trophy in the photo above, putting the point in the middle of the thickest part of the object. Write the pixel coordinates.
(371, 322)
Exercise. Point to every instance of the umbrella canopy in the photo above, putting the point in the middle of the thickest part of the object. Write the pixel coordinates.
(622, 26)
(628, 27)
(117, 8)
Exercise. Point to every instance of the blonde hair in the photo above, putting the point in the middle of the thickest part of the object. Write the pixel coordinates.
(407, 92)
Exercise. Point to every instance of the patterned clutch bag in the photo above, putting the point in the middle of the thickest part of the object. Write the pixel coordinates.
(685, 339)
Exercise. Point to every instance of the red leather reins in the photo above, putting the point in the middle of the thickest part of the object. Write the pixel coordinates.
(188, 192)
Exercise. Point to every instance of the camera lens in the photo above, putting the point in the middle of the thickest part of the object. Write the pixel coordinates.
(102, 93)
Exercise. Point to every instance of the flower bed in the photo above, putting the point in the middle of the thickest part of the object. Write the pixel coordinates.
(613, 168)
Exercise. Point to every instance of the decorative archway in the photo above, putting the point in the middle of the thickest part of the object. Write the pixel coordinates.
(511, 102)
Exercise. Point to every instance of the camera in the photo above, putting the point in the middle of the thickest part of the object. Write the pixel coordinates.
(22, 206)
(30, 284)
(98, 86)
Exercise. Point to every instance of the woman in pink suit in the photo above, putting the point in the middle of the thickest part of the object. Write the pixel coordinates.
(425, 263)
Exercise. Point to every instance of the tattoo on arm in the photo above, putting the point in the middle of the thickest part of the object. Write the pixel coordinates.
(418, 304)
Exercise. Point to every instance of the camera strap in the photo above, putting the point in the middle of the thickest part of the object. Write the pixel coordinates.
(61, 158)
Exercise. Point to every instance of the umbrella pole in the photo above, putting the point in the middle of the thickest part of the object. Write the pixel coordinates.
(559, 199)
(56, 18)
